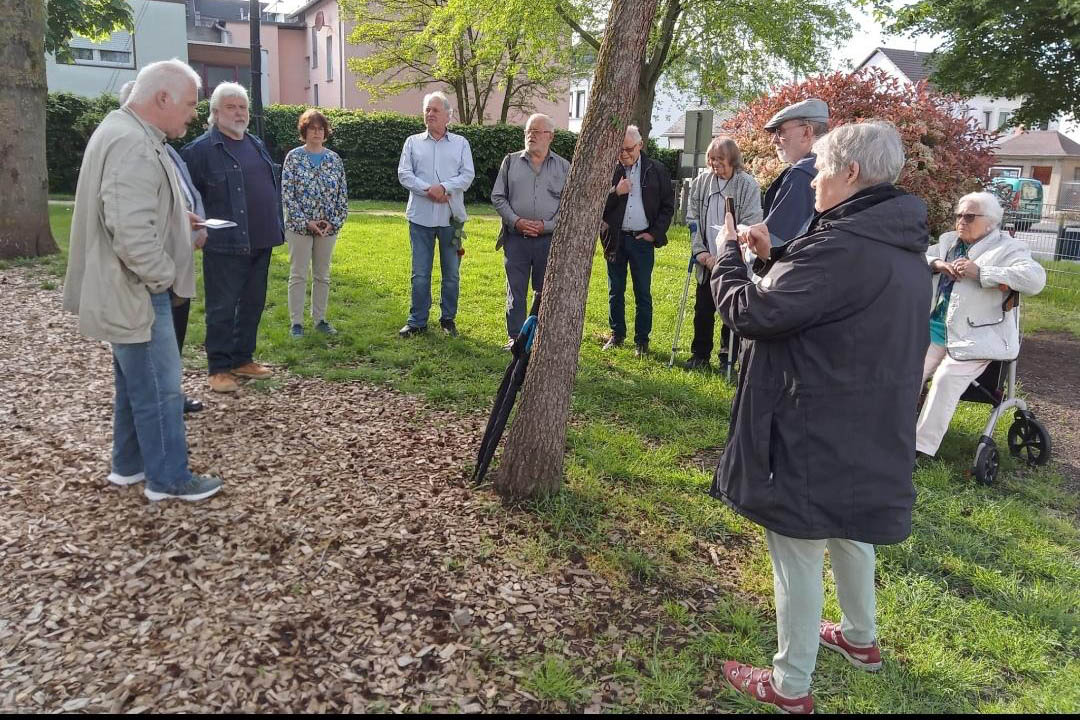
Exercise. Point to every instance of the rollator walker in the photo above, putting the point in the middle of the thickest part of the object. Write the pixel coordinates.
(996, 386)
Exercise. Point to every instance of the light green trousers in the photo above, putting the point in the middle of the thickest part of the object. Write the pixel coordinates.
(800, 594)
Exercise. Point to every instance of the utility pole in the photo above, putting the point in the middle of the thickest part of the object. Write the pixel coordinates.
(255, 12)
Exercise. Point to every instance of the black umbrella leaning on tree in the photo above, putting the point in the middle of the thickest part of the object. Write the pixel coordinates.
(508, 392)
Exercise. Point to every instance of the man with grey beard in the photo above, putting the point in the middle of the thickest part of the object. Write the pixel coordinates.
(238, 182)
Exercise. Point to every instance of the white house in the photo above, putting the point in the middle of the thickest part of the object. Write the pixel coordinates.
(912, 66)
(160, 34)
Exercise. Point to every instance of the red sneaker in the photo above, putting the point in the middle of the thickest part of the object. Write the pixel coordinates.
(757, 683)
(864, 658)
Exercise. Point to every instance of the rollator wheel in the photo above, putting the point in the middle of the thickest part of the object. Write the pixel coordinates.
(986, 462)
(1029, 441)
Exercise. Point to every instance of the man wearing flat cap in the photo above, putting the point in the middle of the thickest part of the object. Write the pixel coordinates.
(789, 201)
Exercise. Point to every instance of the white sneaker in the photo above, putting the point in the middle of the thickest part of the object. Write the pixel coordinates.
(125, 480)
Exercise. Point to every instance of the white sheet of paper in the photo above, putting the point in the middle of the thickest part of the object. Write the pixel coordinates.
(215, 224)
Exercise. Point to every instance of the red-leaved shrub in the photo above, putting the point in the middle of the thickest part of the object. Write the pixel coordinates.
(947, 155)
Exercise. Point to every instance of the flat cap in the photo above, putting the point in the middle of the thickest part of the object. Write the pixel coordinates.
(813, 110)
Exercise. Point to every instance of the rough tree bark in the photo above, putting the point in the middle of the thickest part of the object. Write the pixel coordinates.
(533, 461)
(24, 177)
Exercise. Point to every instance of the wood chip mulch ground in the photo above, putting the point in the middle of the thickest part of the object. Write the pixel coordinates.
(345, 566)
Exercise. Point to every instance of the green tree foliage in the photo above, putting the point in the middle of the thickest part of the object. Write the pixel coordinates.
(724, 52)
(93, 19)
(1005, 48)
(481, 49)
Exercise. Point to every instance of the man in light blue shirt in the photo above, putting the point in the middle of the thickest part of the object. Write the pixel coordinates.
(436, 167)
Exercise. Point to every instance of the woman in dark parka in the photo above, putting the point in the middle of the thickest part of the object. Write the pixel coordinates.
(822, 437)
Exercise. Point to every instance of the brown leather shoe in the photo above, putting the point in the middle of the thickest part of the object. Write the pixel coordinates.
(253, 370)
(224, 382)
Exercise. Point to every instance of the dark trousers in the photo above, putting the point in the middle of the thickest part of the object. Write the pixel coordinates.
(705, 322)
(524, 257)
(235, 298)
(180, 321)
(640, 256)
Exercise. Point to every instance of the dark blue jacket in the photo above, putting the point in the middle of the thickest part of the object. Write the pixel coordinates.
(218, 178)
(822, 434)
(789, 201)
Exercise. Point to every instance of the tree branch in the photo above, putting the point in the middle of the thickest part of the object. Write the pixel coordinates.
(561, 11)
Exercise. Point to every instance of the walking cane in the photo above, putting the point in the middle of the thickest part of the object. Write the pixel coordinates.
(733, 339)
(682, 303)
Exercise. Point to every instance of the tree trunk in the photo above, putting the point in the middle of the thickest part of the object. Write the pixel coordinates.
(24, 176)
(504, 112)
(642, 115)
(533, 461)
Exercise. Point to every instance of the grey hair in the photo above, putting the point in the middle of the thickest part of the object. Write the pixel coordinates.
(222, 91)
(540, 116)
(874, 145)
(173, 76)
(988, 206)
(125, 91)
(441, 96)
(819, 128)
(633, 133)
(729, 150)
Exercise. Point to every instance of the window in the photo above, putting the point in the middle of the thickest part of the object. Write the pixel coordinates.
(316, 103)
(1076, 174)
(117, 50)
(986, 119)
(1029, 191)
(329, 58)
(1008, 171)
(114, 56)
(579, 104)
(1003, 119)
(314, 48)
(216, 74)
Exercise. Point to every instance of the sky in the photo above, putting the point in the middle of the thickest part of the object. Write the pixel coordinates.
(870, 34)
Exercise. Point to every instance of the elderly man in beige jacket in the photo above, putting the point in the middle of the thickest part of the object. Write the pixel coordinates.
(130, 252)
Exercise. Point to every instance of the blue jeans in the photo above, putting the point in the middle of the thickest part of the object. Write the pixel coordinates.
(148, 413)
(422, 239)
(640, 255)
(235, 298)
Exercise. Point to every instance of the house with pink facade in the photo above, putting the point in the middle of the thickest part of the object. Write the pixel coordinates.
(305, 57)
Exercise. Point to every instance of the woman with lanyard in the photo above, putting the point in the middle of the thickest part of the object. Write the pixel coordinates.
(725, 177)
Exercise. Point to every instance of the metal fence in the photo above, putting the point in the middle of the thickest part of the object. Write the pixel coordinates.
(1053, 232)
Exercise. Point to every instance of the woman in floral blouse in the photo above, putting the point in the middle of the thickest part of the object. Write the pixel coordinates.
(316, 205)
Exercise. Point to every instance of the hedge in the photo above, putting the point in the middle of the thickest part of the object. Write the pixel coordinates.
(369, 143)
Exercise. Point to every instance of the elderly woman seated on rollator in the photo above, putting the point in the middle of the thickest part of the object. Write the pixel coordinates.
(975, 269)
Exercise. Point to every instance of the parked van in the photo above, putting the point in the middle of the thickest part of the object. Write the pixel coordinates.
(1022, 199)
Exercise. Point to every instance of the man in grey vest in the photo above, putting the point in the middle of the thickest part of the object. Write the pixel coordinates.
(527, 195)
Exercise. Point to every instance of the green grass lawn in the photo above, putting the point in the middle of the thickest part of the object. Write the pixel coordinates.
(978, 610)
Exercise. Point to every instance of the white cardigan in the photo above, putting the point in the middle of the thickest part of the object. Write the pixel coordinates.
(977, 328)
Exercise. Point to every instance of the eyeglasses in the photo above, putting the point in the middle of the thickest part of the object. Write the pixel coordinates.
(776, 131)
(538, 132)
(968, 217)
(630, 149)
